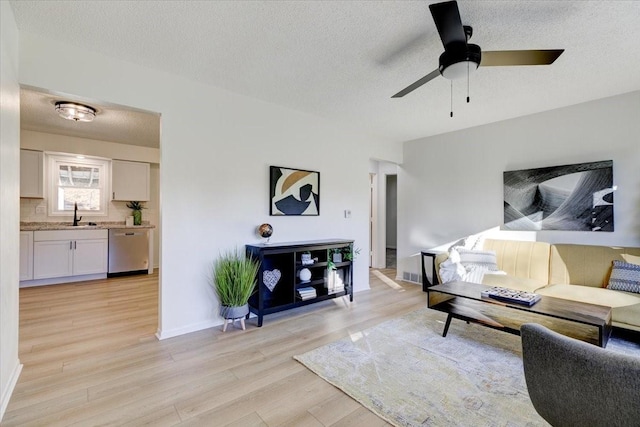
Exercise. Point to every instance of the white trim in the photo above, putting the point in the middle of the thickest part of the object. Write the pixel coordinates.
(8, 391)
(58, 280)
(373, 220)
(170, 333)
(103, 165)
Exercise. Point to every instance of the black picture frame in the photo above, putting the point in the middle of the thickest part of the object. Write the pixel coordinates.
(577, 197)
(293, 192)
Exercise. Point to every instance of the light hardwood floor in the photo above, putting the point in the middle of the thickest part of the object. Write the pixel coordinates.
(91, 358)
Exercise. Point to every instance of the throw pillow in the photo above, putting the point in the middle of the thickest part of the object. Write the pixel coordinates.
(450, 271)
(472, 242)
(625, 277)
(472, 259)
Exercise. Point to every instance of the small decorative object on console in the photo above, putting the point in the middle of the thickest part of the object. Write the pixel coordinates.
(304, 275)
(265, 230)
(511, 295)
(271, 278)
(306, 293)
(306, 259)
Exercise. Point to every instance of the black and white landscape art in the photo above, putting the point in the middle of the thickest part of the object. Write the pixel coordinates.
(572, 197)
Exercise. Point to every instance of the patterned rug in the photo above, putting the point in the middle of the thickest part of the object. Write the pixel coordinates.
(409, 375)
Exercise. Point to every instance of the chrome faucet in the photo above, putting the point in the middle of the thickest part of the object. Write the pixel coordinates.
(76, 220)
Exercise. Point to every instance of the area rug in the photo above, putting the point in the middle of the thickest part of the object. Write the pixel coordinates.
(409, 375)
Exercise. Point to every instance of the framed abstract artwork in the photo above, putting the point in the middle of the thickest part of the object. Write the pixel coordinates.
(293, 192)
(575, 197)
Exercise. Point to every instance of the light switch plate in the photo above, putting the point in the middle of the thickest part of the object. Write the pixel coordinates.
(41, 209)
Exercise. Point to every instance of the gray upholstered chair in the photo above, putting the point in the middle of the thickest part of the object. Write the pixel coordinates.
(572, 383)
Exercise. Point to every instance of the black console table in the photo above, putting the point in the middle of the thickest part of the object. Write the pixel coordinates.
(280, 286)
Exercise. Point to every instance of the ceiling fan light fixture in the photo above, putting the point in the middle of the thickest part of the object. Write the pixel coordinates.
(459, 63)
(74, 111)
(459, 70)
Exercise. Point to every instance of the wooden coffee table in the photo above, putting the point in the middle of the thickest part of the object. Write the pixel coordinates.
(462, 300)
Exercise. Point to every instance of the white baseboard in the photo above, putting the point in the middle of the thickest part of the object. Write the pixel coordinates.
(8, 391)
(58, 280)
(170, 333)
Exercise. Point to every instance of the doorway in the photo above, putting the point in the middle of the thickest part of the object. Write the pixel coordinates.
(391, 226)
(117, 133)
(383, 230)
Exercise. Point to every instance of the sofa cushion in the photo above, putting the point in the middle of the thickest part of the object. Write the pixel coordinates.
(625, 306)
(591, 295)
(625, 277)
(525, 260)
(586, 265)
(627, 316)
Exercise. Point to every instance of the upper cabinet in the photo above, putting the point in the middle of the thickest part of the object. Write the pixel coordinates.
(32, 174)
(130, 181)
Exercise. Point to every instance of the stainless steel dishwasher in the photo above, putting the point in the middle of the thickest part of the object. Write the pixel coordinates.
(128, 251)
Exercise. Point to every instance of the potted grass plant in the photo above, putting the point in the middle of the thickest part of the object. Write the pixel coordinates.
(234, 281)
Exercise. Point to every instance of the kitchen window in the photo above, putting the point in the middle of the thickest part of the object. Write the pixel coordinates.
(74, 179)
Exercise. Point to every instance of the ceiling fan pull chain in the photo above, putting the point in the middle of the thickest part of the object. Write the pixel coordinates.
(468, 82)
(451, 114)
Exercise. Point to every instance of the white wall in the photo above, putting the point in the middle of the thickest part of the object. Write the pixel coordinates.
(117, 210)
(9, 207)
(216, 149)
(451, 185)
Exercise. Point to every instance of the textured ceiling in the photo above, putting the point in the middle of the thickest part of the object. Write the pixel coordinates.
(112, 123)
(344, 60)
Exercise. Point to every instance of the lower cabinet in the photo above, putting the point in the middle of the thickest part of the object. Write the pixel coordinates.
(61, 253)
(90, 256)
(52, 259)
(26, 255)
(300, 273)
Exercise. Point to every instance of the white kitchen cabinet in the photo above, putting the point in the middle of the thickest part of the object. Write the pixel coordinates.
(62, 253)
(31, 174)
(130, 181)
(26, 255)
(52, 259)
(90, 256)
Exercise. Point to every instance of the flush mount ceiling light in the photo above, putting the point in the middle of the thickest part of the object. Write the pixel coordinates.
(75, 112)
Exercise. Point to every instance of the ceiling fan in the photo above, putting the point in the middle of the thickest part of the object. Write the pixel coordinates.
(461, 58)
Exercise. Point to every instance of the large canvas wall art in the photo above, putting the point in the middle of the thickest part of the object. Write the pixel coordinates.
(294, 191)
(572, 197)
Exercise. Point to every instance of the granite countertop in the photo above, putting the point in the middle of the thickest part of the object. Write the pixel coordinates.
(84, 225)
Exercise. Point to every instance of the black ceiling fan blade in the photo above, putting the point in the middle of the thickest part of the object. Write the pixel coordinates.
(432, 75)
(447, 19)
(497, 58)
